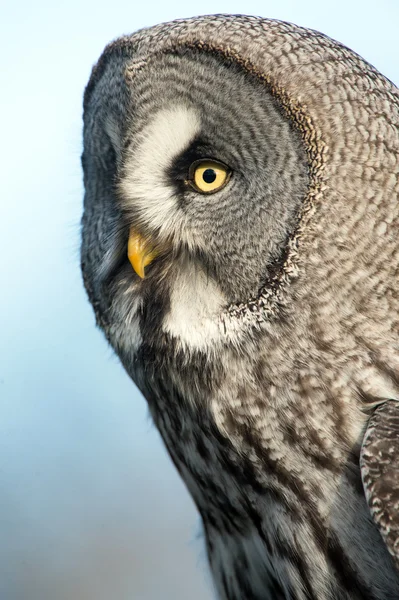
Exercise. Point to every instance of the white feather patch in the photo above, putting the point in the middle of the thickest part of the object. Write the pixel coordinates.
(196, 305)
(145, 186)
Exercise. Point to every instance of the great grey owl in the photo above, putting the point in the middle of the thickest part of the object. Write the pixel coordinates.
(240, 248)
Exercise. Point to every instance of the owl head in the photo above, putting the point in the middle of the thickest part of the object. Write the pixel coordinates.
(209, 146)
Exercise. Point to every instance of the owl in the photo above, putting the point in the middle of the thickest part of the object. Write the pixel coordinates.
(240, 248)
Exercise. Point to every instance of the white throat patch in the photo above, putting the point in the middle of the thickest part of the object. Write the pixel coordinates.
(195, 307)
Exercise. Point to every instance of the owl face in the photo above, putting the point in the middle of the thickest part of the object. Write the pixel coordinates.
(204, 175)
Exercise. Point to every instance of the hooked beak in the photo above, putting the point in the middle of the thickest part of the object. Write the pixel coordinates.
(140, 252)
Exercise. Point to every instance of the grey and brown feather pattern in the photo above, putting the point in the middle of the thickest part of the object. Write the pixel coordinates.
(265, 334)
(379, 461)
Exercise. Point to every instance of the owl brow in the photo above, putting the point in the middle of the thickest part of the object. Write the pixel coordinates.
(198, 149)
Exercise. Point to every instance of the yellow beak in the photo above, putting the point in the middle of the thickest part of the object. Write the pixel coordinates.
(140, 252)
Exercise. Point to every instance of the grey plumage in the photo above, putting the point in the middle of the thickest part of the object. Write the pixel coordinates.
(265, 332)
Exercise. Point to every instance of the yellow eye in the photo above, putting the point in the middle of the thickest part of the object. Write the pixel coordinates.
(208, 176)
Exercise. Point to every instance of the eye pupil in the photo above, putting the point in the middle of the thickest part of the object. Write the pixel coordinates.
(209, 176)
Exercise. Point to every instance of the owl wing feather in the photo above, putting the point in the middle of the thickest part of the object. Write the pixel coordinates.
(379, 464)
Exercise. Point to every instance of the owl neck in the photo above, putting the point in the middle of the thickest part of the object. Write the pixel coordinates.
(274, 491)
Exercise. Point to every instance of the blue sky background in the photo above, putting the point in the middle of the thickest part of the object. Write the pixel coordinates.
(90, 506)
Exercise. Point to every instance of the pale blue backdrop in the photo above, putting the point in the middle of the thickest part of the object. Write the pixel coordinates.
(90, 506)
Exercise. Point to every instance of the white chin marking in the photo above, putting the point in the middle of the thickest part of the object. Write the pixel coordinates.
(144, 185)
(195, 306)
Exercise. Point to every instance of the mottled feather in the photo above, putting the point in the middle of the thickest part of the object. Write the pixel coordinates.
(267, 329)
(379, 462)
